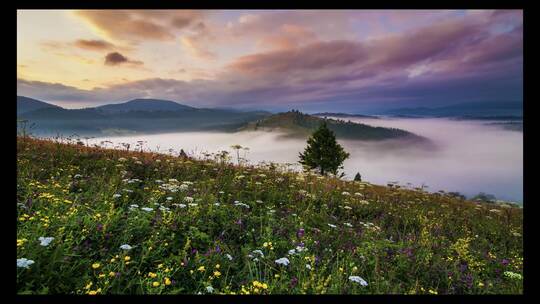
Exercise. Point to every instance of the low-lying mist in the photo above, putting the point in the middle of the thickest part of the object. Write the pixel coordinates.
(469, 156)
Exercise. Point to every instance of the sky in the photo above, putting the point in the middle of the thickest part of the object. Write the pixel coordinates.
(312, 60)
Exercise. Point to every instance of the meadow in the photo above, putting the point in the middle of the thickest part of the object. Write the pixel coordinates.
(100, 221)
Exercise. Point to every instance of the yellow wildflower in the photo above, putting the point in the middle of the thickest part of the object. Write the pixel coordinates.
(155, 284)
(201, 269)
(127, 258)
(217, 274)
(152, 275)
(167, 281)
(112, 274)
(96, 265)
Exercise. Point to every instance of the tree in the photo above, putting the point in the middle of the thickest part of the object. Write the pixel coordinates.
(323, 152)
(358, 177)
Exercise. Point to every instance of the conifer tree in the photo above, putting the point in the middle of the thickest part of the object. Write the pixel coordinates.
(323, 152)
(358, 177)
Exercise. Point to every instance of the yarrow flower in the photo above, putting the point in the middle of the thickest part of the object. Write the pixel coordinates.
(229, 257)
(147, 209)
(45, 241)
(126, 247)
(358, 280)
(24, 263)
(282, 261)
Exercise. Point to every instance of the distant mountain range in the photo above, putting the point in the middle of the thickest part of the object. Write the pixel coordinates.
(135, 116)
(476, 110)
(297, 124)
(25, 104)
(159, 116)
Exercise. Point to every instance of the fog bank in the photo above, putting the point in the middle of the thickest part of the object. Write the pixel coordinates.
(471, 156)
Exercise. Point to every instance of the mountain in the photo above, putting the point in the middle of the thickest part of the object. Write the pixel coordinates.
(476, 110)
(26, 104)
(150, 105)
(135, 116)
(297, 124)
(344, 115)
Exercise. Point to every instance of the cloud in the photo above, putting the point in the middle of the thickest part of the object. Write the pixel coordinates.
(93, 45)
(139, 25)
(452, 59)
(115, 58)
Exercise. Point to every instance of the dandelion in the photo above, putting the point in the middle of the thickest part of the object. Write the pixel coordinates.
(358, 280)
(167, 281)
(282, 261)
(125, 247)
(45, 241)
(24, 263)
(156, 284)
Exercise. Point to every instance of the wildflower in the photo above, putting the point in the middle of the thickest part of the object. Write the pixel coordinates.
(217, 266)
(125, 247)
(217, 274)
(331, 225)
(188, 199)
(210, 289)
(201, 269)
(480, 284)
(24, 263)
(112, 274)
(308, 266)
(127, 258)
(259, 252)
(229, 257)
(513, 275)
(167, 281)
(152, 275)
(282, 261)
(155, 284)
(431, 291)
(96, 265)
(292, 251)
(358, 280)
(45, 241)
(116, 195)
(101, 275)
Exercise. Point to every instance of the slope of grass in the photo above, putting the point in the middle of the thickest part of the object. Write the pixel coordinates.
(212, 227)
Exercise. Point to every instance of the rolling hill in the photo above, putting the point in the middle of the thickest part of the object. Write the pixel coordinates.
(297, 124)
(26, 104)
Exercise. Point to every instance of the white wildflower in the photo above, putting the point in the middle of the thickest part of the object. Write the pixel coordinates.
(228, 256)
(358, 280)
(45, 241)
(210, 289)
(125, 247)
(24, 263)
(282, 261)
(331, 225)
(188, 199)
(147, 209)
(116, 195)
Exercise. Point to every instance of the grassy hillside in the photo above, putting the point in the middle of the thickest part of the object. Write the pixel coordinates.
(297, 124)
(210, 227)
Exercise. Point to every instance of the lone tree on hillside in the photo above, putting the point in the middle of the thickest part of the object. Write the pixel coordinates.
(323, 152)
(358, 177)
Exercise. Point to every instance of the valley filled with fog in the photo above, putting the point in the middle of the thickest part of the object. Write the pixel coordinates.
(466, 156)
